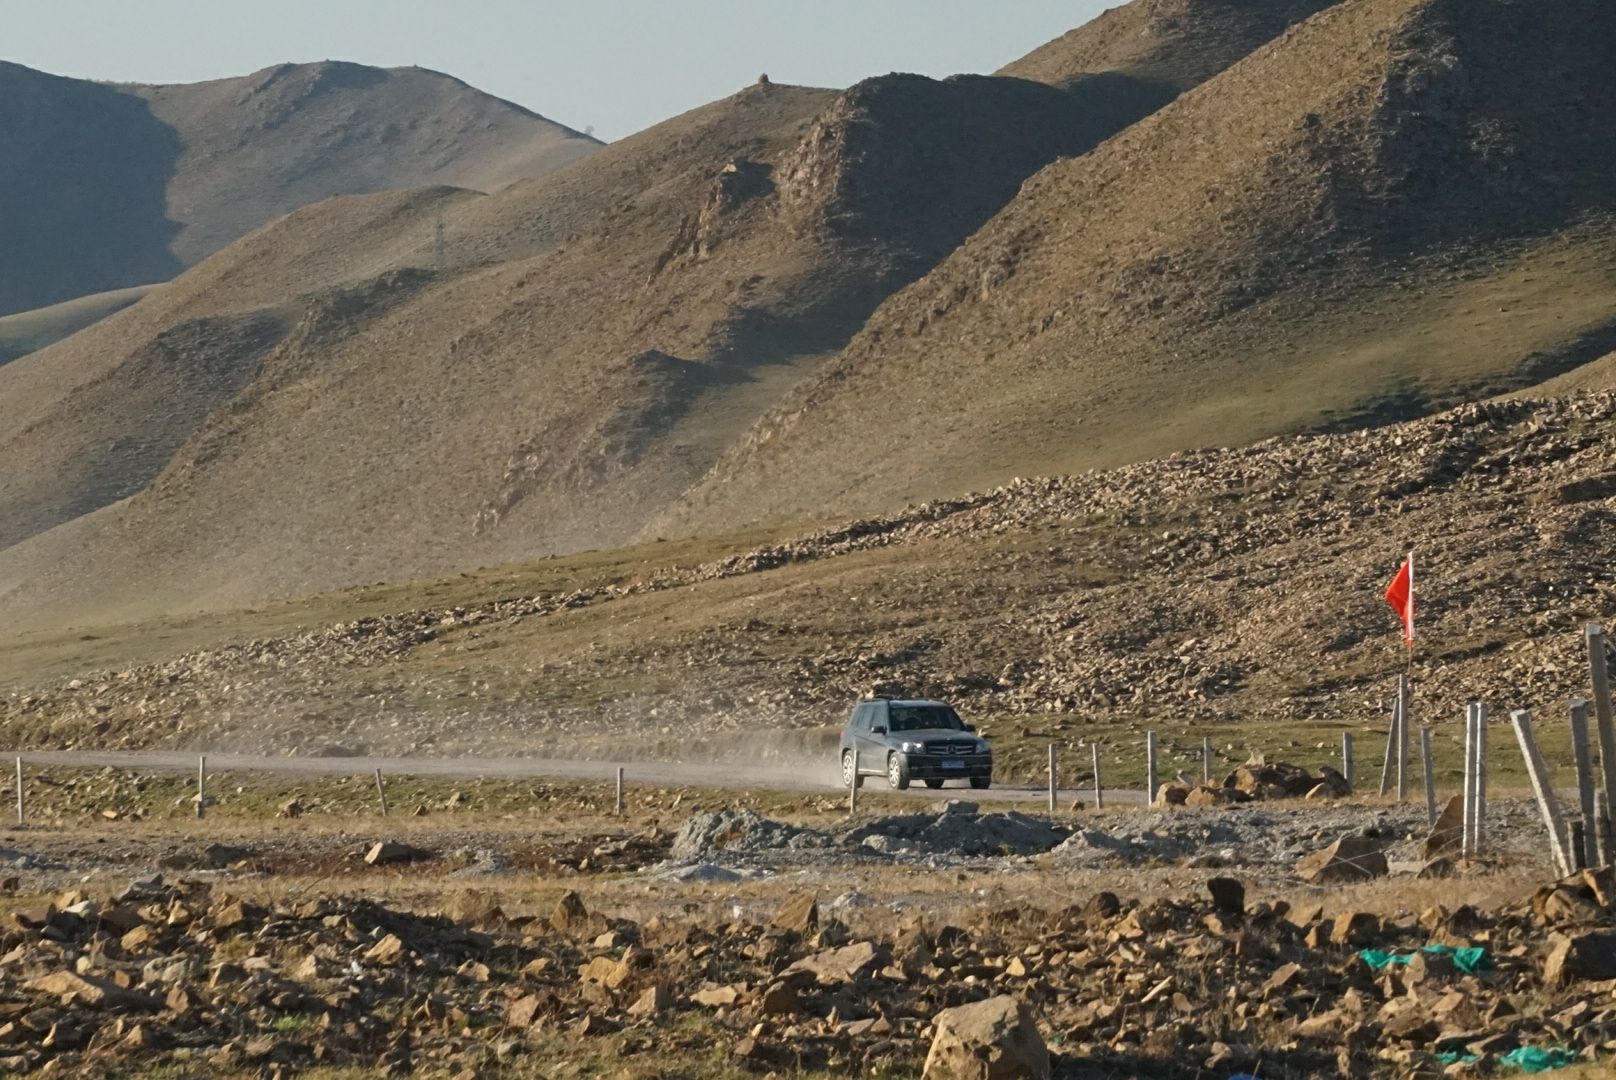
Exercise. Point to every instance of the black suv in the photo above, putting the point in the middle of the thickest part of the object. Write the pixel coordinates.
(912, 740)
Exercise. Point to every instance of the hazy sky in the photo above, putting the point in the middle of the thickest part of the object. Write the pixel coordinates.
(616, 65)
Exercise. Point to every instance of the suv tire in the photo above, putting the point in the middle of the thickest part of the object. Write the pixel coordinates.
(981, 782)
(935, 784)
(848, 778)
(897, 773)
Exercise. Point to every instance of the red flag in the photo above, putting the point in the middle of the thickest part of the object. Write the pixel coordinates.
(1400, 595)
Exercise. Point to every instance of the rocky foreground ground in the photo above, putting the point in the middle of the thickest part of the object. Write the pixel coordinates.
(1279, 939)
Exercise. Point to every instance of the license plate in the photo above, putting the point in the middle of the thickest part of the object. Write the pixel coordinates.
(953, 764)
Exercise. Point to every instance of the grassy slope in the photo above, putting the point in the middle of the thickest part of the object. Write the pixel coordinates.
(30, 331)
(1280, 248)
(1229, 595)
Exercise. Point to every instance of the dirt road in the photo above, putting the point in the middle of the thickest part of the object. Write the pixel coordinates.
(656, 773)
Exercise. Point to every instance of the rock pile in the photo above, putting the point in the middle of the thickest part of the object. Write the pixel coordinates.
(1258, 780)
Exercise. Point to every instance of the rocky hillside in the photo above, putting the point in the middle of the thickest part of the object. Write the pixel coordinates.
(1398, 205)
(107, 186)
(1170, 44)
(1211, 592)
(593, 342)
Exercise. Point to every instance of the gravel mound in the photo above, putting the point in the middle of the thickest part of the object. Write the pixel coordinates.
(736, 832)
(958, 828)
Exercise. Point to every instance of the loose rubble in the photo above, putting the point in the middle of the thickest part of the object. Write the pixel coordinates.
(183, 974)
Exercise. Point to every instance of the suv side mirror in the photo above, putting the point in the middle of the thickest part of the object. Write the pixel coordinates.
(971, 728)
(878, 729)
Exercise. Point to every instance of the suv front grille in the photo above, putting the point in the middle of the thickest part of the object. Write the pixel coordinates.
(953, 749)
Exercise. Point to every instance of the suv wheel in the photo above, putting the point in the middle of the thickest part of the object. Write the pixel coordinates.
(980, 782)
(934, 784)
(848, 777)
(897, 773)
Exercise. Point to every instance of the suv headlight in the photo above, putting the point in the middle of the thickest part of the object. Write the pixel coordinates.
(982, 746)
(912, 747)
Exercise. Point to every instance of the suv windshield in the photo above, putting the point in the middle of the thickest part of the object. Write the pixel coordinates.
(924, 718)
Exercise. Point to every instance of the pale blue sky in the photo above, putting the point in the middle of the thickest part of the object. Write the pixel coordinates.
(618, 65)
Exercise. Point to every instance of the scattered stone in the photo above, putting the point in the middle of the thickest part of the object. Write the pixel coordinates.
(844, 965)
(653, 1002)
(1355, 928)
(570, 914)
(95, 992)
(1228, 895)
(388, 950)
(388, 852)
(799, 915)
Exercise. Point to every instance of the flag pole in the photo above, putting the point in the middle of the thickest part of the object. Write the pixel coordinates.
(1408, 693)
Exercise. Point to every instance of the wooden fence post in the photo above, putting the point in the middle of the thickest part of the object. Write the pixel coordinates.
(1543, 789)
(381, 793)
(19, 790)
(1150, 768)
(1099, 790)
(1589, 855)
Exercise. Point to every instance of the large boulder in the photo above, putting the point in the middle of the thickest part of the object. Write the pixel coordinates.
(1351, 858)
(1447, 835)
(994, 1039)
(1575, 957)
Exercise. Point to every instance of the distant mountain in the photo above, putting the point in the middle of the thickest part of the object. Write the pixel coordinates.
(317, 405)
(107, 186)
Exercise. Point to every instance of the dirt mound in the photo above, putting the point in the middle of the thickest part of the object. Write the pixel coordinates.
(193, 167)
(1306, 240)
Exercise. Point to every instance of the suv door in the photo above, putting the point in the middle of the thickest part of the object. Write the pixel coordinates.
(872, 746)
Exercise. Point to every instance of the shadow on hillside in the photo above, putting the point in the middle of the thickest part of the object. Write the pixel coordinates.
(84, 174)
